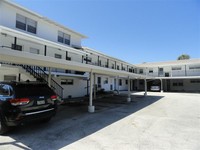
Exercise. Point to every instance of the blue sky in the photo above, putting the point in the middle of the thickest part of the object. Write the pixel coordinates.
(132, 30)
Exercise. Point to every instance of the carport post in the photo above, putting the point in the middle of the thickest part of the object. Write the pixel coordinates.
(91, 107)
(49, 77)
(145, 87)
(117, 84)
(129, 92)
(161, 86)
(94, 86)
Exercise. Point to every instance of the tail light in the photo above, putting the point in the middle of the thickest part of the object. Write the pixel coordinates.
(53, 97)
(19, 101)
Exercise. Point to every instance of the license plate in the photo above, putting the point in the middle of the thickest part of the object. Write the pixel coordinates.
(41, 102)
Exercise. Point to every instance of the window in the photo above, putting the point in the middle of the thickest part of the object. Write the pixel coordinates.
(150, 70)
(195, 81)
(117, 67)
(21, 22)
(9, 78)
(58, 56)
(99, 82)
(63, 38)
(141, 71)
(126, 82)
(16, 47)
(178, 83)
(113, 66)
(106, 64)
(176, 68)
(67, 81)
(120, 82)
(34, 50)
(26, 24)
(194, 67)
(31, 25)
(106, 81)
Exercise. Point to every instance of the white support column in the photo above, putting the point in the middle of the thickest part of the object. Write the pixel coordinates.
(130, 85)
(129, 92)
(117, 84)
(145, 87)
(49, 77)
(91, 108)
(95, 86)
(161, 86)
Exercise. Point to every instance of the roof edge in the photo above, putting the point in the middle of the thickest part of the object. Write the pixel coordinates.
(43, 17)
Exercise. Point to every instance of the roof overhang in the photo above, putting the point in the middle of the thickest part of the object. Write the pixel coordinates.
(42, 17)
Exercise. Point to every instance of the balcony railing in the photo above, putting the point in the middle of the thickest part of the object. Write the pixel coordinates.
(180, 73)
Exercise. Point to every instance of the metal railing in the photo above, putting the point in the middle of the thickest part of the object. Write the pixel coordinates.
(41, 75)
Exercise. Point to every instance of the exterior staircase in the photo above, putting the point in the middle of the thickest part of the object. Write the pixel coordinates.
(40, 75)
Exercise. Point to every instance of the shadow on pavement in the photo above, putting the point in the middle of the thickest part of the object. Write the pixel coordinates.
(73, 122)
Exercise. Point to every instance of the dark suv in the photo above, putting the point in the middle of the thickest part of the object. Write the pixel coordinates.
(22, 102)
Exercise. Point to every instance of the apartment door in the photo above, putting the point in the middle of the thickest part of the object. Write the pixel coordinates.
(160, 71)
(99, 82)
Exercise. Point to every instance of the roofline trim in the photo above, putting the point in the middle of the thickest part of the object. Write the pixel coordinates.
(43, 18)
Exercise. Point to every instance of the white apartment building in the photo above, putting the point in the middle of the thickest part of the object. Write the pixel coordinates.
(33, 47)
(179, 75)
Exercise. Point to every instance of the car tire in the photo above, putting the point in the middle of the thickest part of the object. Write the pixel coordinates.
(3, 127)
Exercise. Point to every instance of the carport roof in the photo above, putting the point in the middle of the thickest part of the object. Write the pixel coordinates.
(21, 57)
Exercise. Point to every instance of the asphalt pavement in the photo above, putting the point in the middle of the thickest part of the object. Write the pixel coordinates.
(159, 121)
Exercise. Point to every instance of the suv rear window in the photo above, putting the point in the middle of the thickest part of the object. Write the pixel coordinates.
(25, 90)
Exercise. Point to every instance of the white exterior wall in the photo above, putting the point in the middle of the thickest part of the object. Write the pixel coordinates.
(94, 59)
(187, 86)
(78, 89)
(15, 71)
(75, 57)
(124, 86)
(45, 29)
(185, 71)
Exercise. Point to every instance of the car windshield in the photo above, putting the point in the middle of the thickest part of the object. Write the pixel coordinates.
(25, 90)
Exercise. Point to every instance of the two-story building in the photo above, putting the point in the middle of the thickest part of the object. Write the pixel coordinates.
(34, 47)
(179, 75)
(28, 34)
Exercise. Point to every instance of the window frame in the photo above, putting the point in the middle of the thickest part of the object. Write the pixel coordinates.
(56, 56)
(29, 25)
(64, 38)
(67, 82)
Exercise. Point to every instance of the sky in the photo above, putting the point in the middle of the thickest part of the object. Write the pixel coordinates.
(135, 31)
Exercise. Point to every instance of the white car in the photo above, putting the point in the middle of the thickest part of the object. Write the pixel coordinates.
(155, 88)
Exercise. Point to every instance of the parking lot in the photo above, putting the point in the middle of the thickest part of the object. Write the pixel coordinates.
(158, 121)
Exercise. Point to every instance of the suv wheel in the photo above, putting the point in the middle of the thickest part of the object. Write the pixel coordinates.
(3, 126)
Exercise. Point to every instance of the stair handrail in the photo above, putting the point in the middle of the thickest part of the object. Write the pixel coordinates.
(38, 72)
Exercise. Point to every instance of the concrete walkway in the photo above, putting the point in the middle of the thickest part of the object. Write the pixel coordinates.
(160, 121)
